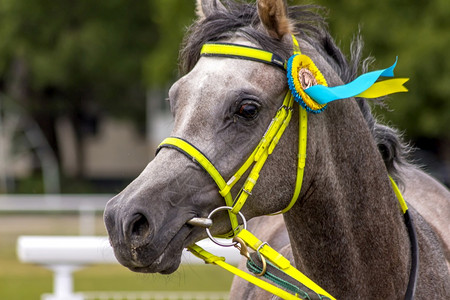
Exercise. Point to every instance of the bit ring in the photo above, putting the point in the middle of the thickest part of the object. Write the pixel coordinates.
(208, 232)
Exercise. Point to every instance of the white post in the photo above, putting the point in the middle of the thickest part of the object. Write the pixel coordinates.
(62, 283)
(66, 254)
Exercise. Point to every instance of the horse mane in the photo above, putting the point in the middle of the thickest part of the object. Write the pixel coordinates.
(242, 19)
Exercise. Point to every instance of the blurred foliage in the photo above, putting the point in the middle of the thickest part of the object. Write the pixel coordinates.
(171, 17)
(34, 184)
(107, 48)
(79, 50)
(83, 58)
(418, 32)
(77, 60)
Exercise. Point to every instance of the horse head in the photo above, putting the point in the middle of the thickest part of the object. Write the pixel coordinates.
(344, 217)
(222, 107)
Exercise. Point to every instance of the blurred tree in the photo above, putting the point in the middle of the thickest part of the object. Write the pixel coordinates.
(75, 59)
(80, 58)
(419, 33)
(172, 17)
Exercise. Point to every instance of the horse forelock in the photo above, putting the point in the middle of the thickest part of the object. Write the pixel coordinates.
(310, 25)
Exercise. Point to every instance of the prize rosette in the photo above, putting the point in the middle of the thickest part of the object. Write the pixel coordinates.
(302, 73)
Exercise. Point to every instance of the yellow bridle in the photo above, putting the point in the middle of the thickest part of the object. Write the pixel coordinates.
(256, 159)
(264, 148)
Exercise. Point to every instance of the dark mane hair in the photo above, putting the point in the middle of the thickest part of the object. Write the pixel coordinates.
(242, 19)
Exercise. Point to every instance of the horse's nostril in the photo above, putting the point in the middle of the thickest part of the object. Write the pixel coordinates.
(140, 227)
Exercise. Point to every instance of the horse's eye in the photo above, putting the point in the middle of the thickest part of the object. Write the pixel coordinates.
(248, 111)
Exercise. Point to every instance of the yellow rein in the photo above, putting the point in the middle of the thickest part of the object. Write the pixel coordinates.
(257, 158)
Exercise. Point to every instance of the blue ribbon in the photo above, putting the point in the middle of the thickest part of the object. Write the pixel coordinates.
(323, 95)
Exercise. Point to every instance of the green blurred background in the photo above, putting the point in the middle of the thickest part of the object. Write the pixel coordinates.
(82, 89)
(86, 61)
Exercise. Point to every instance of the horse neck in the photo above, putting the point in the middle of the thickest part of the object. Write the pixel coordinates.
(347, 232)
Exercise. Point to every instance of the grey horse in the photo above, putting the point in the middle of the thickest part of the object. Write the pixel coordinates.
(346, 231)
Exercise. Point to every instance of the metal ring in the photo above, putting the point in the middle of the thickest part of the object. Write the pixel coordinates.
(262, 245)
(264, 267)
(208, 232)
(263, 259)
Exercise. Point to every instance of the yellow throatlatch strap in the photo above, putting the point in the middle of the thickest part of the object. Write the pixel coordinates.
(399, 195)
(220, 261)
(241, 51)
(302, 137)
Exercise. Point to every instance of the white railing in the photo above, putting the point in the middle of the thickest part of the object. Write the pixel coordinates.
(66, 254)
(86, 206)
(23, 203)
(156, 295)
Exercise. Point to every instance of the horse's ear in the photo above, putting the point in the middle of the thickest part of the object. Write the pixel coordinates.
(274, 16)
(205, 8)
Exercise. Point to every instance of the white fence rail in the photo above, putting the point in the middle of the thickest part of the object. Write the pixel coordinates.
(66, 254)
(156, 295)
(86, 206)
(53, 203)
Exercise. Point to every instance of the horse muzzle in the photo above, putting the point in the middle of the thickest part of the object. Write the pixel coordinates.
(148, 241)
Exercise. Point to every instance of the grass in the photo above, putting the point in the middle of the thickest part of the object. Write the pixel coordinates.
(26, 281)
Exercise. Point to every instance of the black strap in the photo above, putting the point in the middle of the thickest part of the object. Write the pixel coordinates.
(412, 284)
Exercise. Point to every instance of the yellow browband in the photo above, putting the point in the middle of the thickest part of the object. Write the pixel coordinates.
(241, 51)
(257, 158)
